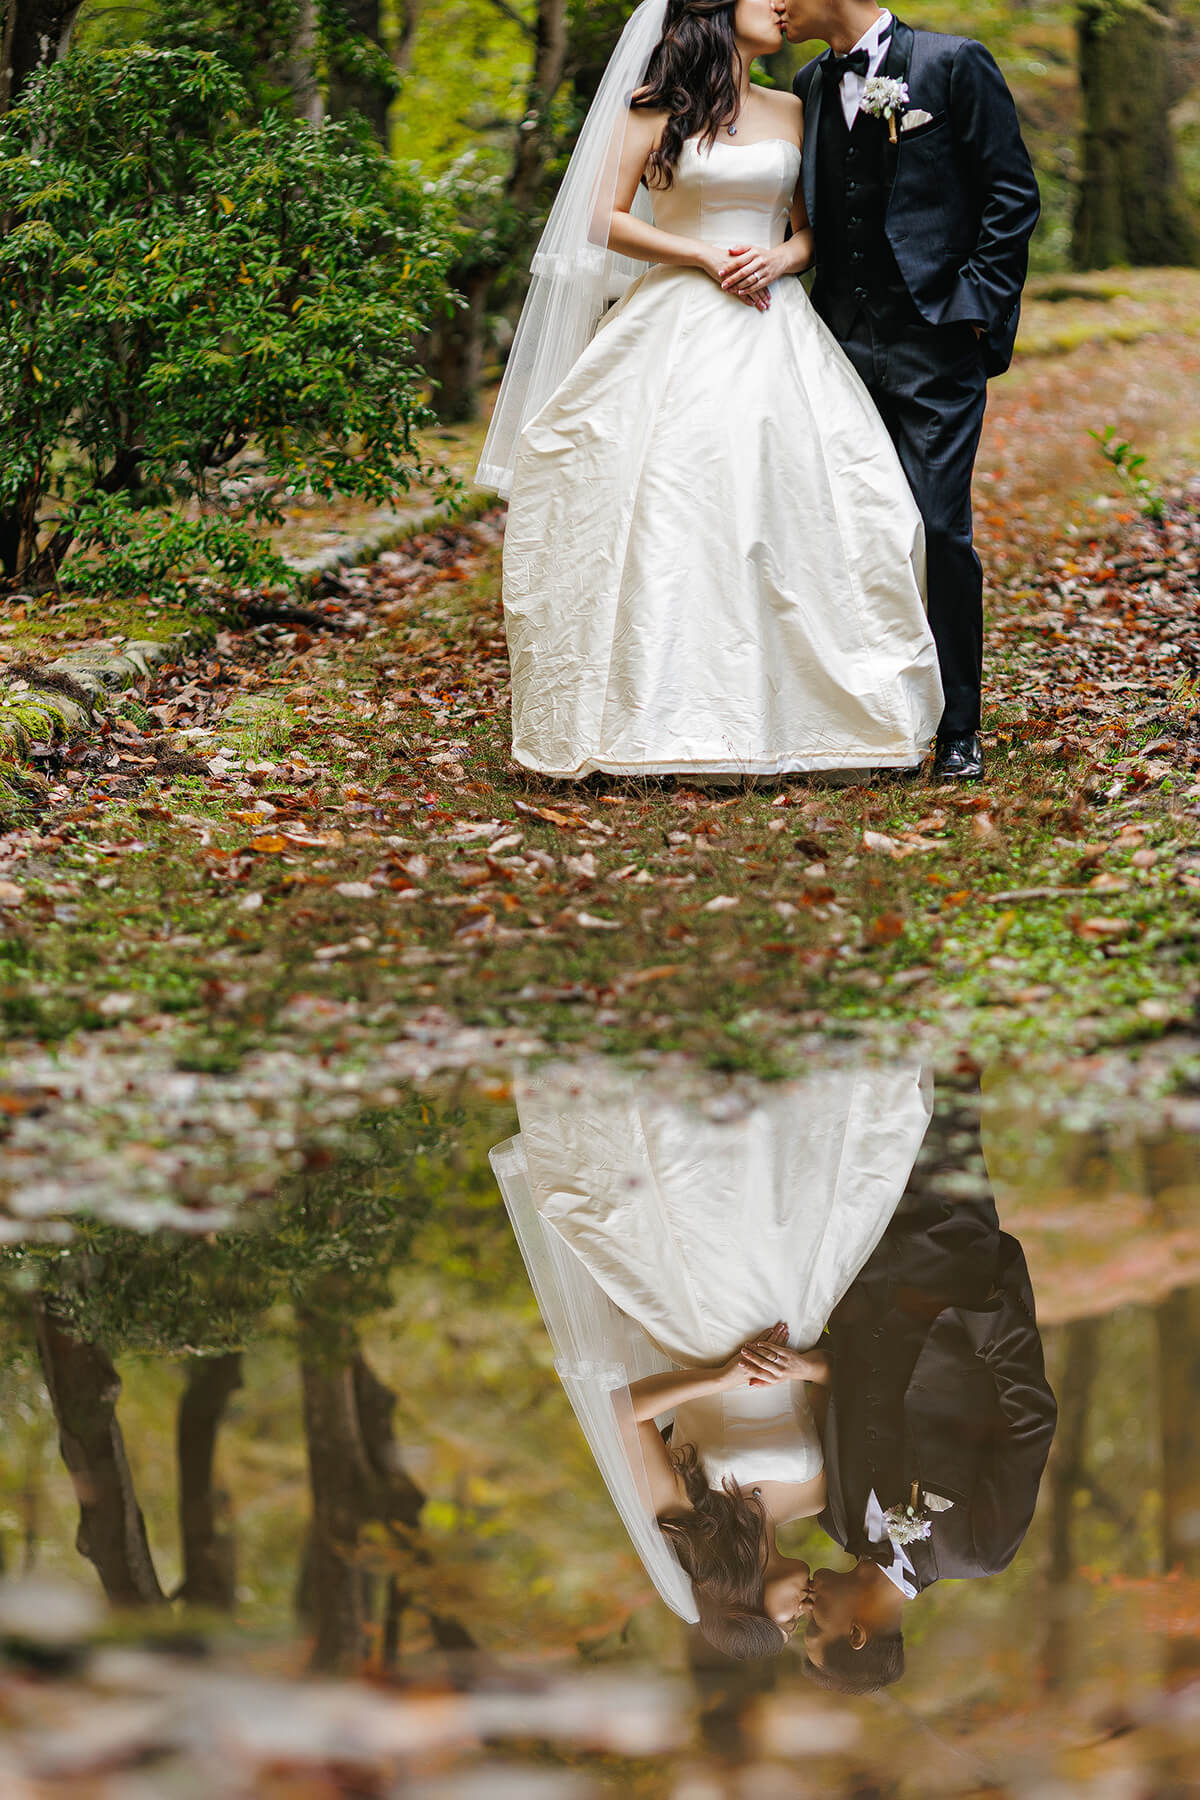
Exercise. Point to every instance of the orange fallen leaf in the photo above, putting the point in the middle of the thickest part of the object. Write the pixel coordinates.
(660, 972)
(886, 928)
(270, 844)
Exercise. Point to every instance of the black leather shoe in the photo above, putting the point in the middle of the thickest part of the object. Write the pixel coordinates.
(958, 757)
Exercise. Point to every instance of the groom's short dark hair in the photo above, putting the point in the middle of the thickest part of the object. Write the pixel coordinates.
(865, 1671)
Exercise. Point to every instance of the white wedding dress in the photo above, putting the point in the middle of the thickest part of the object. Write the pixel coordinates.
(657, 1236)
(713, 562)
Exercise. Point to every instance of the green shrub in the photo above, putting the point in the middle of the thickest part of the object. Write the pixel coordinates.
(181, 284)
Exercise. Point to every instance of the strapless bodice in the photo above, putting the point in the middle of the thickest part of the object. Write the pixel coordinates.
(730, 194)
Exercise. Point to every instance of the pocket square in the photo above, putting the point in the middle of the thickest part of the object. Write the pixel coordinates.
(911, 120)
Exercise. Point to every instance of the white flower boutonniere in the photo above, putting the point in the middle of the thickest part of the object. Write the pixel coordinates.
(882, 97)
(907, 1524)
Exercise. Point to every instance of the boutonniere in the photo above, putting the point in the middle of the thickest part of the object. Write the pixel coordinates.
(907, 1524)
(882, 97)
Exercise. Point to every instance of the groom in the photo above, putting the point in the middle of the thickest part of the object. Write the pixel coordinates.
(937, 1400)
(922, 238)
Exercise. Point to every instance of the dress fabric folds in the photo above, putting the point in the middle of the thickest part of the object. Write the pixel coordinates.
(713, 563)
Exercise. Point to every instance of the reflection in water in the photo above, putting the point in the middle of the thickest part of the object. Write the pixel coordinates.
(787, 1313)
(340, 1433)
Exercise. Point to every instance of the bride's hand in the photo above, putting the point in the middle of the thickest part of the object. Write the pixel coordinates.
(748, 272)
(716, 264)
(768, 1361)
(737, 1372)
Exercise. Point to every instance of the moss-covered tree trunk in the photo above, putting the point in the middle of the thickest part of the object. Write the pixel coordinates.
(1132, 207)
(35, 34)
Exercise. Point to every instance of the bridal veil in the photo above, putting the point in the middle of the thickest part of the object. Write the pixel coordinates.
(576, 277)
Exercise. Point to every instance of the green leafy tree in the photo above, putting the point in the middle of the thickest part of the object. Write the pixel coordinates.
(178, 286)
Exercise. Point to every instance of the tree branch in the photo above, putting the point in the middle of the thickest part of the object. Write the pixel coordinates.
(511, 13)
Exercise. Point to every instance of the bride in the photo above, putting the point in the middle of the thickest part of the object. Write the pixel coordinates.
(658, 1240)
(713, 563)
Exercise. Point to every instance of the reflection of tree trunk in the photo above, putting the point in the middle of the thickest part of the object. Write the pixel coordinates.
(357, 1479)
(208, 1551)
(83, 1387)
(1178, 1322)
(1066, 1475)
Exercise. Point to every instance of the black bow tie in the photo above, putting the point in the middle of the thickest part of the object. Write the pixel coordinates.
(857, 63)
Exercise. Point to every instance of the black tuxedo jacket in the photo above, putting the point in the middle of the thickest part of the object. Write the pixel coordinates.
(963, 195)
(938, 1379)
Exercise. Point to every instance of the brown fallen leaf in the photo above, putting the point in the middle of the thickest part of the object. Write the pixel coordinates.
(550, 814)
(880, 843)
(1102, 928)
(269, 844)
(590, 922)
(11, 894)
(722, 903)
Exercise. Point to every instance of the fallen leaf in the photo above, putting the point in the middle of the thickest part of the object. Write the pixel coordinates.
(722, 903)
(270, 844)
(591, 923)
(1103, 928)
(886, 928)
(11, 894)
(354, 890)
(880, 843)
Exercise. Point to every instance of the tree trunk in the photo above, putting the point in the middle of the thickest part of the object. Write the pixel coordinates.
(302, 74)
(457, 347)
(533, 139)
(84, 1387)
(208, 1549)
(1178, 1322)
(354, 90)
(35, 34)
(1132, 207)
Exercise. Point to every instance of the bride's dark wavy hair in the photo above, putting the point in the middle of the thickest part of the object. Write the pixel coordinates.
(693, 77)
(722, 1544)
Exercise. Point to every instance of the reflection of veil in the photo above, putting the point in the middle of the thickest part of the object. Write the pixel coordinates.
(598, 1351)
(650, 1224)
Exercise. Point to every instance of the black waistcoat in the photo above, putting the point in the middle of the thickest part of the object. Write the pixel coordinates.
(857, 268)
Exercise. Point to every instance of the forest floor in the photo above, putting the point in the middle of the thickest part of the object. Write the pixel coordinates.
(352, 861)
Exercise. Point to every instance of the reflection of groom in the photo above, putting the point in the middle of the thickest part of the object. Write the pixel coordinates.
(937, 1394)
(921, 253)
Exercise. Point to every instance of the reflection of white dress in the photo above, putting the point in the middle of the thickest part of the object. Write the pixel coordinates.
(713, 561)
(705, 1232)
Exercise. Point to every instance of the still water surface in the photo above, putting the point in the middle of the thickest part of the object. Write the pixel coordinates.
(331, 1443)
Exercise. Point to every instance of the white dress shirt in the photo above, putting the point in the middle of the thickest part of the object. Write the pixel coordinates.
(875, 42)
(900, 1568)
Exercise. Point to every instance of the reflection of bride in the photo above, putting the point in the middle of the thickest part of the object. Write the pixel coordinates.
(683, 1264)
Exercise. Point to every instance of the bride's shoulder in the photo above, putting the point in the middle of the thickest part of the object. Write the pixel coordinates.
(644, 124)
(787, 112)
